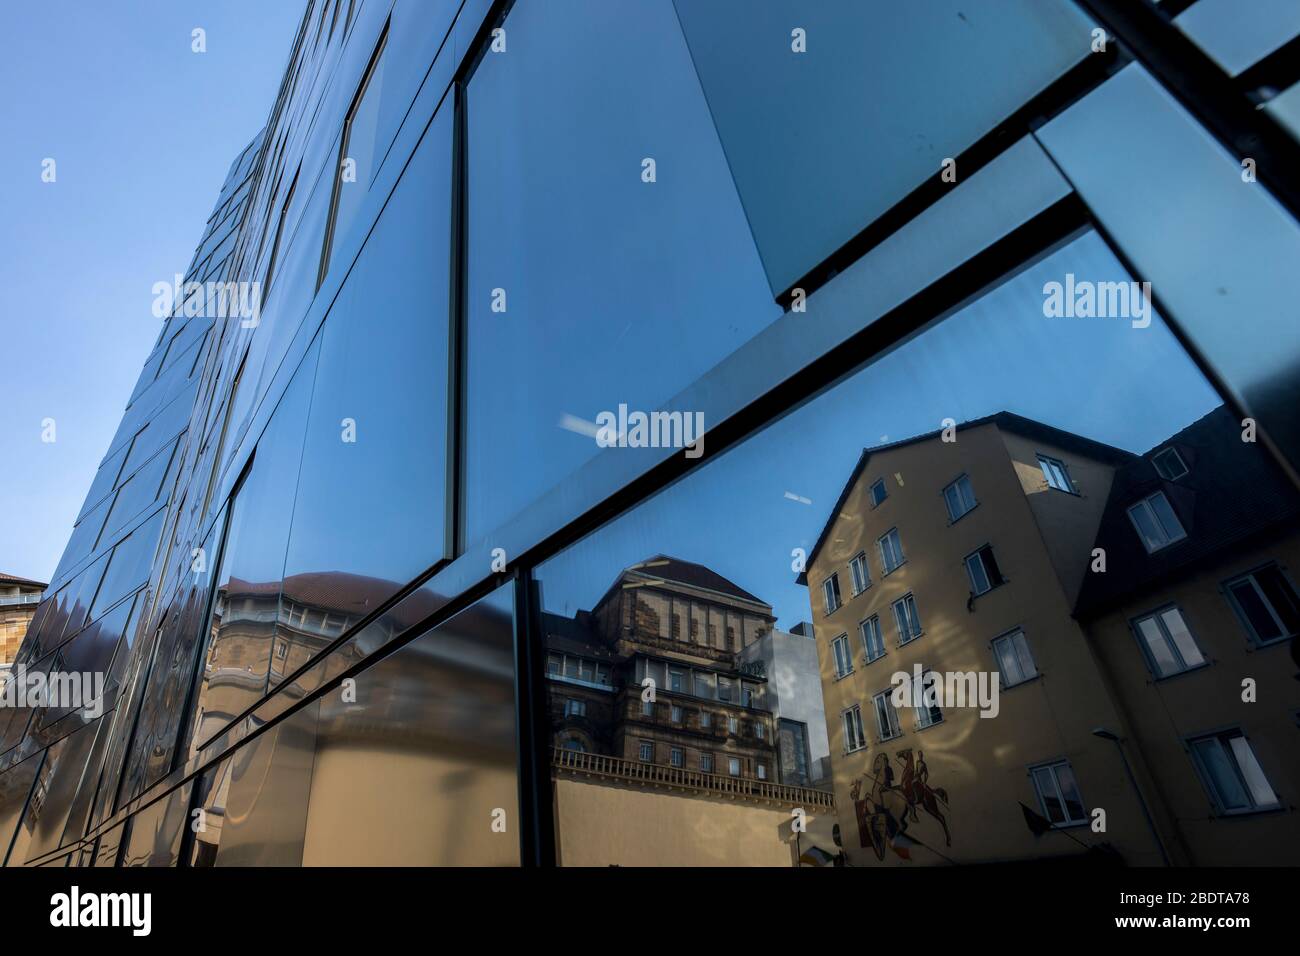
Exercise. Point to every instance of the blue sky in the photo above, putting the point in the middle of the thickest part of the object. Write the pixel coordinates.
(1100, 378)
(142, 130)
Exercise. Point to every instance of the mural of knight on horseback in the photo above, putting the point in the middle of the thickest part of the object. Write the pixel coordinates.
(892, 801)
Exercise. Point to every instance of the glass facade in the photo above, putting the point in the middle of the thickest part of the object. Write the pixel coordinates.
(694, 432)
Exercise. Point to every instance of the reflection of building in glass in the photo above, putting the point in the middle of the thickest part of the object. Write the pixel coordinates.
(669, 684)
(1193, 624)
(669, 668)
(18, 600)
(966, 551)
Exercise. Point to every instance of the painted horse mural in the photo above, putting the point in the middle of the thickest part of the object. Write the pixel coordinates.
(889, 807)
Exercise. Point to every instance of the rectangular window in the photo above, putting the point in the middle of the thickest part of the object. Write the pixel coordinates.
(733, 725)
(1055, 473)
(959, 497)
(554, 665)
(891, 550)
(1267, 604)
(1169, 464)
(575, 708)
(706, 720)
(983, 570)
(676, 714)
(927, 714)
(1156, 524)
(907, 620)
(886, 716)
(860, 572)
(733, 766)
(1231, 773)
(677, 756)
(648, 708)
(724, 689)
(761, 769)
(873, 642)
(843, 656)
(760, 730)
(677, 681)
(854, 739)
(1015, 663)
(1167, 642)
(647, 751)
(831, 593)
(358, 158)
(1058, 793)
(878, 492)
(706, 763)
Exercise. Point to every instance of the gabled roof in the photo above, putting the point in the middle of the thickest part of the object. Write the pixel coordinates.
(1009, 421)
(1232, 496)
(695, 575)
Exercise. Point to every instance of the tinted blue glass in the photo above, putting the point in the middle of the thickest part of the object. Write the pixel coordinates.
(1237, 36)
(369, 509)
(237, 657)
(138, 492)
(822, 142)
(616, 289)
(128, 568)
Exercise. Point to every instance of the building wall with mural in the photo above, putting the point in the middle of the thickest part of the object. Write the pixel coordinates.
(949, 786)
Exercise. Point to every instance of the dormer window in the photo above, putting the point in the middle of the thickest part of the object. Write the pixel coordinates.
(1156, 524)
(1169, 464)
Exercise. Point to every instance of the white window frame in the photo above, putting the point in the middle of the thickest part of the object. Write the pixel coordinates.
(964, 496)
(1171, 645)
(1056, 473)
(733, 766)
(1145, 507)
(871, 624)
(641, 751)
(761, 770)
(843, 656)
(895, 550)
(733, 725)
(1051, 770)
(574, 707)
(1166, 453)
(675, 713)
(706, 763)
(677, 758)
(890, 728)
(922, 713)
(1226, 742)
(859, 573)
(831, 597)
(913, 616)
(884, 492)
(975, 561)
(851, 721)
(1018, 645)
(706, 720)
(1251, 578)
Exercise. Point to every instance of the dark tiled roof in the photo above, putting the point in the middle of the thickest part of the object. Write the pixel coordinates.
(23, 582)
(1233, 496)
(1005, 420)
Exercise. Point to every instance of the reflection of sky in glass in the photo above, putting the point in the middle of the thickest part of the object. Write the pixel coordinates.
(1100, 378)
(617, 290)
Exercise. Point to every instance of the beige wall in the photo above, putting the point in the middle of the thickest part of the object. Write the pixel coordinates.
(981, 763)
(1161, 714)
(607, 825)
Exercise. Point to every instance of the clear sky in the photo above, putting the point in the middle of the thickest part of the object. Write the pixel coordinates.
(142, 130)
(1100, 378)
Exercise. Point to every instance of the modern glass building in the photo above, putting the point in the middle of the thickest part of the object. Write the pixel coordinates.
(706, 432)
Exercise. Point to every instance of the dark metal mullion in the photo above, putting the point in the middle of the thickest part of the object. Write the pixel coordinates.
(1206, 92)
(456, 338)
(536, 800)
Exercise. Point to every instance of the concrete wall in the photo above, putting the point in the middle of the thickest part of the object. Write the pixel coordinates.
(605, 825)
